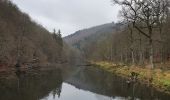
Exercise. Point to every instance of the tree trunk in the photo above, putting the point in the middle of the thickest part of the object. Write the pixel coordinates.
(111, 53)
(132, 47)
(161, 41)
(133, 59)
(140, 51)
(162, 57)
(121, 57)
(126, 58)
(151, 47)
(151, 53)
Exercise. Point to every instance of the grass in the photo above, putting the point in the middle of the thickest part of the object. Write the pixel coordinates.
(155, 77)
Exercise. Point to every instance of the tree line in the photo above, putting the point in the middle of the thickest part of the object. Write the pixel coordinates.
(147, 19)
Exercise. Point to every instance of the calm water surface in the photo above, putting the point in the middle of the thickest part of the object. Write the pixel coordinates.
(75, 83)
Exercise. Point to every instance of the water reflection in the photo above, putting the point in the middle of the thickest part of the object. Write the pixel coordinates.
(74, 83)
(31, 86)
(70, 92)
(100, 82)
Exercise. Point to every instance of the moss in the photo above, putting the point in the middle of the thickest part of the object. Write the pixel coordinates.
(165, 82)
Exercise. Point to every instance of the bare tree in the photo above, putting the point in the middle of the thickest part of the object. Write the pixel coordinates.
(144, 14)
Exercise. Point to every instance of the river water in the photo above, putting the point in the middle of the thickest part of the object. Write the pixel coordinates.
(75, 83)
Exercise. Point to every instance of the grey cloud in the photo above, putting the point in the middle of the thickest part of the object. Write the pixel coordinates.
(69, 15)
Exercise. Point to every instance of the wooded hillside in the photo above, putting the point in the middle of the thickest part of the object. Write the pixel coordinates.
(24, 41)
(86, 40)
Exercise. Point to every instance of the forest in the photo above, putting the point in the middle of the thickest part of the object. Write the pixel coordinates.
(24, 41)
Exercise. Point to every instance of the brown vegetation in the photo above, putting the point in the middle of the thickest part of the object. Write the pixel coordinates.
(24, 41)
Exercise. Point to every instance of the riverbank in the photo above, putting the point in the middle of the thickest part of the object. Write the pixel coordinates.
(157, 78)
(9, 71)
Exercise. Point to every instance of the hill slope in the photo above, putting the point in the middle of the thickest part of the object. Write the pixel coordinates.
(24, 41)
(86, 33)
(90, 40)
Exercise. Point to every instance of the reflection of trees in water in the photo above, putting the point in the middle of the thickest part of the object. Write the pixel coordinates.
(31, 87)
(101, 82)
(57, 91)
(35, 87)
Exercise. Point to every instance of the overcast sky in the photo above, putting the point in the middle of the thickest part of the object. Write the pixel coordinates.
(69, 15)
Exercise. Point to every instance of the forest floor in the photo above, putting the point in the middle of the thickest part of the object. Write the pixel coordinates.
(157, 78)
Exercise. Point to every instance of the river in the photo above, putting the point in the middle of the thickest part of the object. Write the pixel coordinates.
(75, 83)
